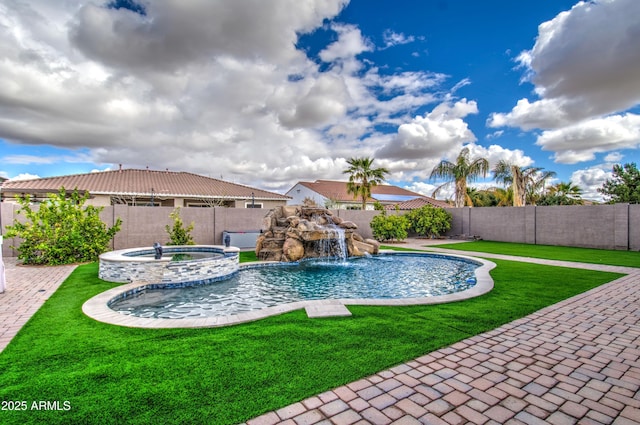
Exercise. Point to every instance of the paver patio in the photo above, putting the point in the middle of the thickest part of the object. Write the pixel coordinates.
(576, 362)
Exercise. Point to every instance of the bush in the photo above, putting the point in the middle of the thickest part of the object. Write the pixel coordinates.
(388, 227)
(429, 221)
(178, 234)
(61, 231)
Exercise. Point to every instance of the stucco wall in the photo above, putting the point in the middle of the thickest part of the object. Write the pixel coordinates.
(634, 227)
(598, 226)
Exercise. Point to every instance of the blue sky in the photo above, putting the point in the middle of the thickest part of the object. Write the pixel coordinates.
(271, 93)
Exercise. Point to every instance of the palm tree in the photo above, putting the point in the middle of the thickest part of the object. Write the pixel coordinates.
(459, 173)
(504, 197)
(362, 177)
(563, 194)
(526, 182)
(474, 197)
(535, 187)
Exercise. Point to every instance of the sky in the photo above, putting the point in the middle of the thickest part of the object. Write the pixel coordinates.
(269, 93)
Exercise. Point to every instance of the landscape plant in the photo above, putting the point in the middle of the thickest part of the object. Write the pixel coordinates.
(429, 221)
(178, 233)
(389, 227)
(62, 230)
(623, 186)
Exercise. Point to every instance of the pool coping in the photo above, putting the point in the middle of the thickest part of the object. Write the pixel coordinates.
(97, 307)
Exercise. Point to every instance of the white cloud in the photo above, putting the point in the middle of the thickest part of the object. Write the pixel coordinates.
(350, 43)
(591, 179)
(211, 88)
(496, 153)
(585, 66)
(545, 113)
(613, 157)
(392, 38)
(427, 189)
(174, 35)
(434, 134)
(25, 176)
(580, 142)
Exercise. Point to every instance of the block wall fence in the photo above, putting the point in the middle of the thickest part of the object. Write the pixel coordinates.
(594, 226)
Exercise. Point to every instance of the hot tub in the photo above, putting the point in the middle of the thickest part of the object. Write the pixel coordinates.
(179, 266)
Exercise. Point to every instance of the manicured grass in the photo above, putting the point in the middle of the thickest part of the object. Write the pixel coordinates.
(246, 256)
(116, 375)
(581, 255)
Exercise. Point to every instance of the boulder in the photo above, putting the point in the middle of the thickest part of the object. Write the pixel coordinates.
(365, 247)
(348, 225)
(375, 244)
(289, 211)
(293, 249)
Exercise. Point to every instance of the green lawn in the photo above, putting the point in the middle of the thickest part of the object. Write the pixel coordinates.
(115, 375)
(549, 252)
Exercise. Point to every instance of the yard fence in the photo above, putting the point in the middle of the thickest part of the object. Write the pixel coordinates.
(594, 226)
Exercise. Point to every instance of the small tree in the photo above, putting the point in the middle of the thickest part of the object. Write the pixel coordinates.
(624, 186)
(178, 234)
(429, 221)
(61, 231)
(388, 227)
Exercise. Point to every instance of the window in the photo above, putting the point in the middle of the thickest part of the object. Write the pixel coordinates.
(252, 205)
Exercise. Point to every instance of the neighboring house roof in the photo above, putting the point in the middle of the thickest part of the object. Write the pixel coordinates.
(128, 182)
(418, 203)
(337, 191)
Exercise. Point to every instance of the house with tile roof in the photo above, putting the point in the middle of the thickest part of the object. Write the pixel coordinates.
(147, 188)
(418, 203)
(333, 194)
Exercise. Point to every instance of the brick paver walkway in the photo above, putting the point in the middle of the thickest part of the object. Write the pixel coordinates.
(576, 362)
(27, 288)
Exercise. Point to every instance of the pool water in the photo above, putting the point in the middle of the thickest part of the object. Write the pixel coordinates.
(380, 277)
(180, 255)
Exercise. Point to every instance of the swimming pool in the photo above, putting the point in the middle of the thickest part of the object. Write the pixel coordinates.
(99, 308)
(258, 287)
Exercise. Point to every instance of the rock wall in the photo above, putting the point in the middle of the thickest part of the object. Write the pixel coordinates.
(294, 232)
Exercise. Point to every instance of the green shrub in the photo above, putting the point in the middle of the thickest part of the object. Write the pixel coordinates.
(429, 221)
(61, 231)
(388, 227)
(178, 234)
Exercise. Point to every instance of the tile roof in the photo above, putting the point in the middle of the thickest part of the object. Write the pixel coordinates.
(417, 203)
(141, 182)
(337, 191)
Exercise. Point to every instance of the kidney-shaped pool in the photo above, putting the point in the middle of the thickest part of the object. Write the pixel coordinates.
(257, 287)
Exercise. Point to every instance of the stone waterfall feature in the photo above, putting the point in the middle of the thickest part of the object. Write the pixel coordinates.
(294, 232)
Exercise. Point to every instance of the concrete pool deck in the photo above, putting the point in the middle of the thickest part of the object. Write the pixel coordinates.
(577, 361)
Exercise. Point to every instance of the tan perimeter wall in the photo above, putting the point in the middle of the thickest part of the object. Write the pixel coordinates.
(598, 226)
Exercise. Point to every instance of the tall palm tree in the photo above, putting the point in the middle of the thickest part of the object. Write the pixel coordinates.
(526, 182)
(459, 173)
(362, 176)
